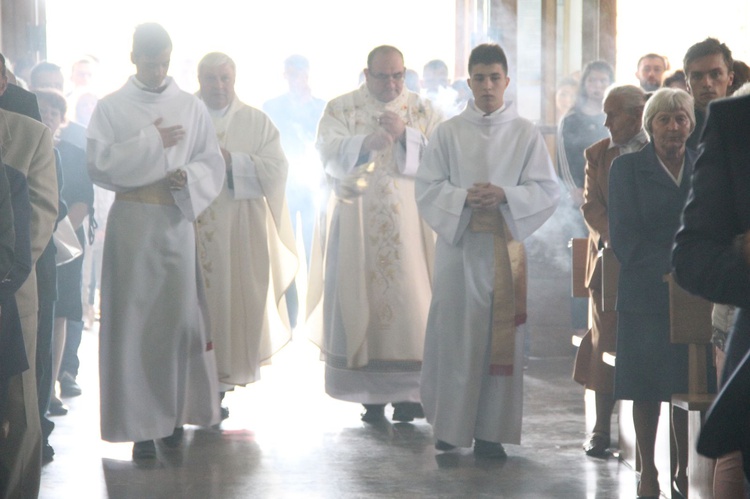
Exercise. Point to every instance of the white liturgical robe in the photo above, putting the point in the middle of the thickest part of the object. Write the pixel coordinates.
(246, 247)
(462, 398)
(156, 363)
(378, 259)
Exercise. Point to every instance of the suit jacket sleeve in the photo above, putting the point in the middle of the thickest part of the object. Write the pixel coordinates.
(21, 267)
(707, 255)
(594, 206)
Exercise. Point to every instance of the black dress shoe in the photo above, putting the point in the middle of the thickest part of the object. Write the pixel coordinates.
(175, 439)
(407, 411)
(56, 407)
(68, 385)
(489, 450)
(444, 446)
(144, 450)
(48, 453)
(596, 445)
(373, 413)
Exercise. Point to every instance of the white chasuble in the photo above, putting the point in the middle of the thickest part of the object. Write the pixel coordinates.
(378, 253)
(246, 247)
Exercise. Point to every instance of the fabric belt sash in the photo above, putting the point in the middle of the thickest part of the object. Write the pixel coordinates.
(509, 296)
(156, 193)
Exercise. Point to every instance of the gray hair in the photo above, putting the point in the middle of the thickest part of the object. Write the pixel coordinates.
(214, 60)
(631, 97)
(668, 100)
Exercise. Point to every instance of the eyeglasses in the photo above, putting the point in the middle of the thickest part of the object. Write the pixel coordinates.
(386, 77)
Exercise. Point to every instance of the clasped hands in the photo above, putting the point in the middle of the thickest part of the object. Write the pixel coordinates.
(392, 128)
(484, 196)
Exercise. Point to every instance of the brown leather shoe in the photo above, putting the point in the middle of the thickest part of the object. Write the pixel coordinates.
(597, 444)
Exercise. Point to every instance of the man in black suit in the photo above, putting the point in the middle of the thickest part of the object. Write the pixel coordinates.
(14, 98)
(712, 259)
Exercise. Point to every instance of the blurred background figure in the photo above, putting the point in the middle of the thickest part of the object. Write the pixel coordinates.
(582, 126)
(296, 114)
(675, 79)
(651, 68)
(565, 97)
(436, 86)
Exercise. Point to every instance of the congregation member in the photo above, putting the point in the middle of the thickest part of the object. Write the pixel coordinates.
(711, 258)
(245, 238)
(379, 252)
(650, 369)
(29, 150)
(48, 75)
(15, 266)
(436, 86)
(155, 146)
(15, 98)
(485, 183)
(650, 71)
(708, 69)
(623, 106)
(581, 127)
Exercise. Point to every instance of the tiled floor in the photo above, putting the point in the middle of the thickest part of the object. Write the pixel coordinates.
(286, 439)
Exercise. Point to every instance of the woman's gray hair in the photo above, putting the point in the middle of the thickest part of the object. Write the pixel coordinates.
(214, 60)
(668, 100)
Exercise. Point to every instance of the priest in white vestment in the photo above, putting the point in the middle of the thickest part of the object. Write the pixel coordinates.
(155, 146)
(378, 259)
(485, 183)
(245, 239)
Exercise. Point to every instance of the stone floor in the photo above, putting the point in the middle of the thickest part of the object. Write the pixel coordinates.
(286, 439)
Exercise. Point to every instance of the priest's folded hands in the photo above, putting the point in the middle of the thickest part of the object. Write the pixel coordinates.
(484, 195)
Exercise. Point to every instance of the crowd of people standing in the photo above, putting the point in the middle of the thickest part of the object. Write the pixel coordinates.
(417, 263)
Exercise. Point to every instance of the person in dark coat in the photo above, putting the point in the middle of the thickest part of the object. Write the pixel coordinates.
(712, 259)
(647, 191)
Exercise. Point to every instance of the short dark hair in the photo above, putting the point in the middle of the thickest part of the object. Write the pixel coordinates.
(150, 39)
(382, 49)
(54, 98)
(43, 67)
(676, 77)
(602, 66)
(709, 46)
(488, 53)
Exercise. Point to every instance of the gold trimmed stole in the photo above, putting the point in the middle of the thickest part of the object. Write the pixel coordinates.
(509, 296)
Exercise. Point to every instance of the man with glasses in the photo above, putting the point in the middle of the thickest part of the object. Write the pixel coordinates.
(379, 252)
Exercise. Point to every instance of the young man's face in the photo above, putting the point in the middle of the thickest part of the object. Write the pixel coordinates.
(488, 83)
(708, 78)
(151, 70)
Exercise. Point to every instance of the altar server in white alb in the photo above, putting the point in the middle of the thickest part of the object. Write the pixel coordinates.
(245, 239)
(485, 183)
(155, 146)
(379, 252)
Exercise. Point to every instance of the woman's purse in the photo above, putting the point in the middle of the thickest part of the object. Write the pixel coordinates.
(66, 242)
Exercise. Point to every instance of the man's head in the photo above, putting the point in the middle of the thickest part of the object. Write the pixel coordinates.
(152, 49)
(385, 72)
(46, 75)
(623, 106)
(81, 72)
(297, 73)
(216, 75)
(651, 68)
(435, 76)
(596, 77)
(488, 76)
(708, 67)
